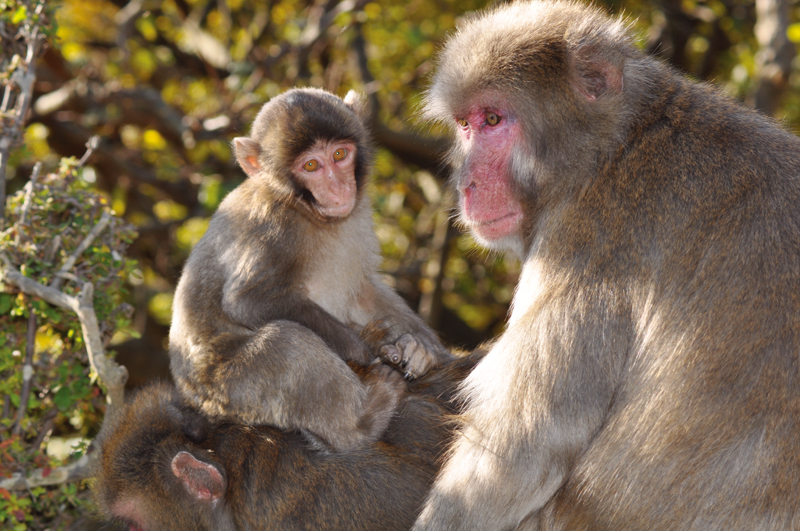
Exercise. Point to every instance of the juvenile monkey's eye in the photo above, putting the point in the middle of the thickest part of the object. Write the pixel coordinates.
(311, 165)
(492, 118)
(463, 123)
(339, 154)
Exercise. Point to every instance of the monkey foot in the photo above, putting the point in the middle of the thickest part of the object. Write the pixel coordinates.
(409, 356)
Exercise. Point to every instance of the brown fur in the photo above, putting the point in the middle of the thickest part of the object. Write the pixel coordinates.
(649, 376)
(271, 300)
(265, 479)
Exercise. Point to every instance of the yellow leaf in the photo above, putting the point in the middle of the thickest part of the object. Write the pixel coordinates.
(793, 32)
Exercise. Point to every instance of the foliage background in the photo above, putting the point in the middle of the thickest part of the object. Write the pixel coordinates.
(167, 84)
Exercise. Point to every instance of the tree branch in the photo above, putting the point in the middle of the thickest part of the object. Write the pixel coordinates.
(80, 469)
(775, 55)
(69, 263)
(109, 373)
(425, 152)
(23, 76)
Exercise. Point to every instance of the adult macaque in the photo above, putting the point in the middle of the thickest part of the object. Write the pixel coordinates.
(164, 467)
(260, 321)
(649, 377)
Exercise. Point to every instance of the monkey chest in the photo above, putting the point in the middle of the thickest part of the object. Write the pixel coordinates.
(339, 288)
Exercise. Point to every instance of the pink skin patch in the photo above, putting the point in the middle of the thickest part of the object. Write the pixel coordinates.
(128, 510)
(488, 205)
(327, 170)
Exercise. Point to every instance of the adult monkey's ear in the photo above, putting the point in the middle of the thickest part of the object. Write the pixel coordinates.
(203, 481)
(595, 73)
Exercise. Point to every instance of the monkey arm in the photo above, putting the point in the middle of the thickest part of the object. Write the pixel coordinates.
(285, 375)
(551, 380)
(341, 338)
(255, 302)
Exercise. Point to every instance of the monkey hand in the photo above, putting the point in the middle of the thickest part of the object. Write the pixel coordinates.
(409, 355)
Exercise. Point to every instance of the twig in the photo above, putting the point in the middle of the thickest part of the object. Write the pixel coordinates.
(26, 204)
(6, 412)
(45, 430)
(91, 145)
(27, 372)
(105, 219)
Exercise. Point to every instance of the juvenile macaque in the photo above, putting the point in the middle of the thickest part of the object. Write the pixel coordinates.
(165, 467)
(649, 377)
(272, 298)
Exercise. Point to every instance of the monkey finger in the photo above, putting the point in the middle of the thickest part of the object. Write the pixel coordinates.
(417, 359)
(391, 354)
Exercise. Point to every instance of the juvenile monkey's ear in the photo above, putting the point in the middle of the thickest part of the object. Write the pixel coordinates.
(358, 102)
(595, 74)
(247, 152)
(201, 480)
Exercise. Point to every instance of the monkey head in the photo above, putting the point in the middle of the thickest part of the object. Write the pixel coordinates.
(150, 462)
(311, 148)
(535, 100)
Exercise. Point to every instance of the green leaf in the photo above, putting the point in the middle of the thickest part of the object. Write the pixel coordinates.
(63, 399)
(6, 302)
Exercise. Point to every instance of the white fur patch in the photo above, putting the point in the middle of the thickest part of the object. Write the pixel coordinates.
(343, 265)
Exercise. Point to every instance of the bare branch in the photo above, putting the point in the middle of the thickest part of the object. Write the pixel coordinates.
(27, 372)
(110, 374)
(46, 428)
(69, 263)
(31, 287)
(425, 152)
(24, 76)
(80, 469)
(91, 145)
(775, 55)
(26, 204)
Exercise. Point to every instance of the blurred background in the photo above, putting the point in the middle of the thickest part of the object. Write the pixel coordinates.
(167, 84)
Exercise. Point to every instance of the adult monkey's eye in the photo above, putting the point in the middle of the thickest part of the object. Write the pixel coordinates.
(311, 165)
(492, 118)
(340, 154)
(463, 123)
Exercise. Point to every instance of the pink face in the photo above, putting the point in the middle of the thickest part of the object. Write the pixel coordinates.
(487, 136)
(327, 170)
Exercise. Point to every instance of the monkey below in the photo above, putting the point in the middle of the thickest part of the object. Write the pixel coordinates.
(272, 299)
(166, 467)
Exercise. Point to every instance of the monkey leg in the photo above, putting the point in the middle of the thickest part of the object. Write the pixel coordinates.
(285, 375)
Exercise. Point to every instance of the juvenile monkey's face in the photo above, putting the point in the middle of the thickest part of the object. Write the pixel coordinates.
(486, 136)
(327, 171)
